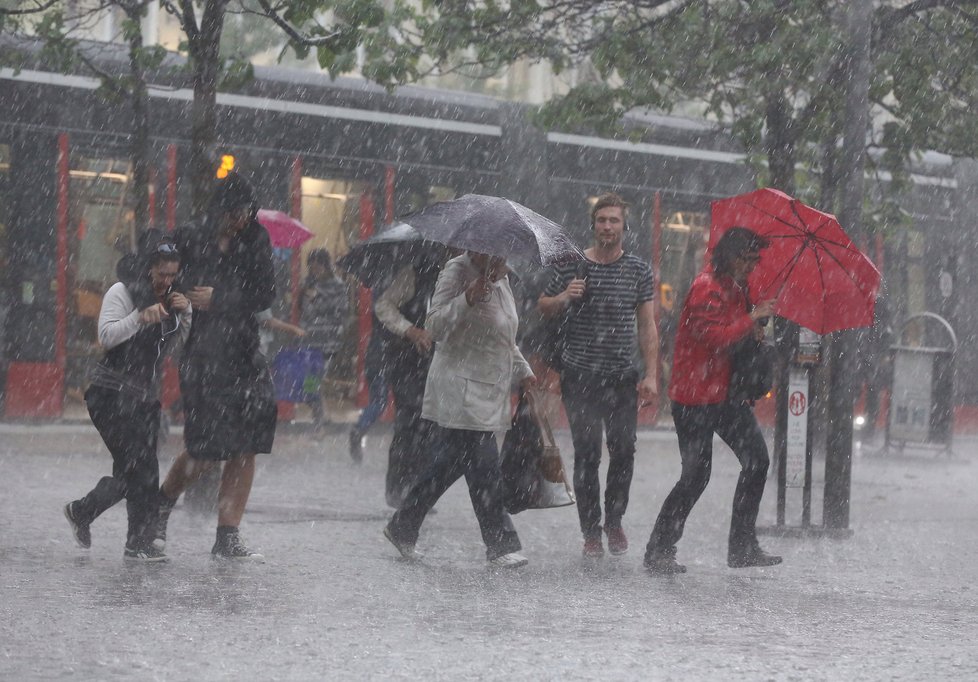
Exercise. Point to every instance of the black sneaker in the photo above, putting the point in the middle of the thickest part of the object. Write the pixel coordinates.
(81, 531)
(148, 555)
(752, 556)
(406, 549)
(231, 547)
(356, 446)
(162, 519)
(663, 562)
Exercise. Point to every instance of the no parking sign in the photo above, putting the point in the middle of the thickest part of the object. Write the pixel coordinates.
(797, 427)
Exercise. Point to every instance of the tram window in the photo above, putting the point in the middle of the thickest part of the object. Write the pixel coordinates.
(101, 226)
(4, 173)
(331, 210)
(100, 230)
(438, 193)
(6, 296)
(683, 245)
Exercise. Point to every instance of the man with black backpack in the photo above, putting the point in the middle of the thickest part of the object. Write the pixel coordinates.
(607, 304)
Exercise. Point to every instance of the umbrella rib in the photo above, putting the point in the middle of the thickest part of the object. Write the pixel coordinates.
(779, 219)
(821, 277)
(819, 244)
(839, 263)
(789, 268)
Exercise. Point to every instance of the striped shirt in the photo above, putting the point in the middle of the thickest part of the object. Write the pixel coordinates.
(601, 330)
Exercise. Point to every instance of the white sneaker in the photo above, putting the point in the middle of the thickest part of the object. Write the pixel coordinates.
(511, 560)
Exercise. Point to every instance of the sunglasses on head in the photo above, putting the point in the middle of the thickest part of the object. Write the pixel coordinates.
(167, 247)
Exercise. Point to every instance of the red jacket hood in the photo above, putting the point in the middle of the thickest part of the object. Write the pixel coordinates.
(713, 318)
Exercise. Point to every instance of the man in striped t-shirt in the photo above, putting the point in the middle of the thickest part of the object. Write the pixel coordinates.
(607, 304)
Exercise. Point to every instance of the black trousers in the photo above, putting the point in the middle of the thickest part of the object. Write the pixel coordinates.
(410, 448)
(130, 429)
(695, 426)
(475, 455)
(592, 401)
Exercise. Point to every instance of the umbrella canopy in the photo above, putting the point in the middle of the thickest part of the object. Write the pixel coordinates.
(284, 231)
(816, 274)
(378, 258)
(497, 227)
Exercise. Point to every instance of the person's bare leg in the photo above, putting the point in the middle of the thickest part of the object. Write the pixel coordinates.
(236, 480)
(184, 472)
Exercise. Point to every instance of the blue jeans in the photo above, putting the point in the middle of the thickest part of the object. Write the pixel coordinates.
(377, 387)
(695, 426)
(458, 453)
(592, 401)
(377, 390)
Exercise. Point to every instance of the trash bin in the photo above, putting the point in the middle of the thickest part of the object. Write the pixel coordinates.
(922, 390)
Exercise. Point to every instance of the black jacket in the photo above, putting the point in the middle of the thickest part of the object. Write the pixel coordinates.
(223, 347)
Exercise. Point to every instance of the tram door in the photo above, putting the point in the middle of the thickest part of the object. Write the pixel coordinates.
(684, 239)
(100, 231)
(331, 210)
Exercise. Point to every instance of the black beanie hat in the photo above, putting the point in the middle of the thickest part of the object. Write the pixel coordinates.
(232, 192)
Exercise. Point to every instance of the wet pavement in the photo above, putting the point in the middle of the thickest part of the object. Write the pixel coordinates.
(897, 600)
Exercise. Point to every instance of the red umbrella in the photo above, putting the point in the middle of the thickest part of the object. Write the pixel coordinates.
(817, 275)
(285, 231)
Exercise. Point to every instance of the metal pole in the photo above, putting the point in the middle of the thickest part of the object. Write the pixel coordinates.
(838, 458)
(295, 210)
(171, 187)
(364, 317)
(61, 276)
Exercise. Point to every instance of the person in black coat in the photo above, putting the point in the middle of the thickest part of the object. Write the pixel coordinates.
(229, 402)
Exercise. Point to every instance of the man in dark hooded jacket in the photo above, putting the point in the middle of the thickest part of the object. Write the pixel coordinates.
(401, 311)
(228, 398)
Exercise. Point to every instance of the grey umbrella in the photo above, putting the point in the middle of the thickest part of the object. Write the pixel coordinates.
(497, 227)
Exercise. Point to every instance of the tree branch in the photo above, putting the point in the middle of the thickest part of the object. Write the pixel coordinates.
(39, 7)
(188, 19)
(890, 18)
(293, 33)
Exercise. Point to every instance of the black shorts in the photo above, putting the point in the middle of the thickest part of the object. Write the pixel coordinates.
(223, 421)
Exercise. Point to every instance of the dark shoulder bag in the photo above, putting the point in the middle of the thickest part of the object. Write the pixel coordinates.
(751, 369)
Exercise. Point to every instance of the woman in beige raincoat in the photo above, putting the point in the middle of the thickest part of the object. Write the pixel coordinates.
(472, 319)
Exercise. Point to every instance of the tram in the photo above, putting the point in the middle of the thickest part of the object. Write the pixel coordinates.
(347, 157)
